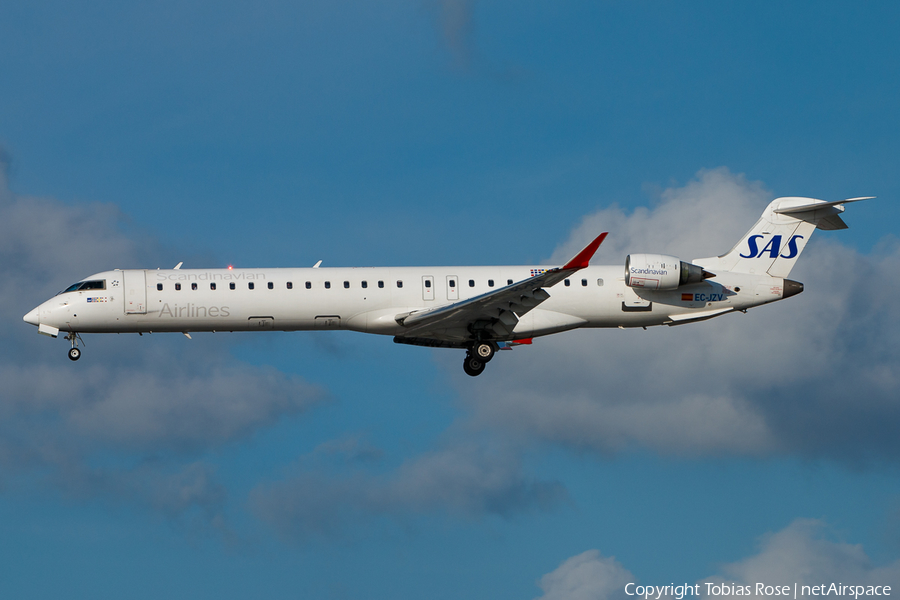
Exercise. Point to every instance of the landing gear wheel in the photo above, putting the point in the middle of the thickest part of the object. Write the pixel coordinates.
(473, 366)
(74, 353)
(483, 351)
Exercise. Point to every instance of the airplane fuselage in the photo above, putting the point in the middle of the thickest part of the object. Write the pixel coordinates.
(370, 299)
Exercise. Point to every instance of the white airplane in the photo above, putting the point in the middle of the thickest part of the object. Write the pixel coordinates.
(480, 309)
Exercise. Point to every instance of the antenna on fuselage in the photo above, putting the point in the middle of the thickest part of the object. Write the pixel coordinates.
(316, 266)
(178, 266)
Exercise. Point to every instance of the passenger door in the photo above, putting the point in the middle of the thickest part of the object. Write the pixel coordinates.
(135, 289)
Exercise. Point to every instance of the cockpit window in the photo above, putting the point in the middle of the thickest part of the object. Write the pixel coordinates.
(95, 284)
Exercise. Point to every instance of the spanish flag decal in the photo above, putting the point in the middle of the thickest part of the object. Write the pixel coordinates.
(687, 297)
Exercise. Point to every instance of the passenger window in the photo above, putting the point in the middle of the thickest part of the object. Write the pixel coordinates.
(231, 285)
(452, 283)
(365, 284)
(159, 286)
(250, 285)
(568, 283)
(490, 283)
(471, 283)
(290, 285)
(177, 287)
(509, 282)
(194, 286)
(309, 285)
(346, 285)
(212, 286)
(584, 282)
(271, 285)
(399, 284)
(381, 284)
(599, 282)
(428, 283)
(327, 285)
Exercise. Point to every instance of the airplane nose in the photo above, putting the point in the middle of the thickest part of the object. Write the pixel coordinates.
(32, 317)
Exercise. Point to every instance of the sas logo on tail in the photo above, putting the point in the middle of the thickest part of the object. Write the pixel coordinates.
(773, 248)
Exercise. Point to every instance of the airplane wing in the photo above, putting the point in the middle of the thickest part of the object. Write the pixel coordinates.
(495, 312)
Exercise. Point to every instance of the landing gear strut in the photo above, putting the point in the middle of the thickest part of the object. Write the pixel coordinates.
(74, 352)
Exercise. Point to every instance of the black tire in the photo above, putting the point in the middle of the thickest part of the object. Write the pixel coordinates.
(473, 366)
(74, 354)
(483, 351)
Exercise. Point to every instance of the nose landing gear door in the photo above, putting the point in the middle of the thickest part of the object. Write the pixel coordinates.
(135, 290)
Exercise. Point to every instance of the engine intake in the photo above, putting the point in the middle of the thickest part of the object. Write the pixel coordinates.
(661, 272)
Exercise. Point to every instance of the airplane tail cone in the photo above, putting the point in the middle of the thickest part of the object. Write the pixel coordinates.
(792, 288)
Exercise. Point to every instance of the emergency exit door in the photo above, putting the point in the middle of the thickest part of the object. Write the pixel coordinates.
(452, 289)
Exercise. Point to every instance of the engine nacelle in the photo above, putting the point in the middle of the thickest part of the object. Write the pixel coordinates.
(661, 272)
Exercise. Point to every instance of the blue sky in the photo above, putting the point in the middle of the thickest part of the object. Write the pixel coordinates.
(412, 133)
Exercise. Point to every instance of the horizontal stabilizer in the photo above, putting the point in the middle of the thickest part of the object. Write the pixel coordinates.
(825, 215)
(818, 205)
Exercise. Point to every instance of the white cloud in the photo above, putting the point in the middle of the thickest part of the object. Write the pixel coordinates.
(810, 375)
(801, 553)
(586, 576)
(46, 245)
(158, 404)
(775, 380)
(153, 409)
(465, 480)
(703, 218)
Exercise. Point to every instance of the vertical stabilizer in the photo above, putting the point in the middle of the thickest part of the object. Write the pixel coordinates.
(773, 245)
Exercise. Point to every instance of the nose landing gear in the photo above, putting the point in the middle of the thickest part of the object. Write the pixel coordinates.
(74, 352)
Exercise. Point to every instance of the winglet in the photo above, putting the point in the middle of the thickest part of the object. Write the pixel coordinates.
(582, 259)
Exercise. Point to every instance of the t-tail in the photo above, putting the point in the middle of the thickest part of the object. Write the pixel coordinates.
(774, 244)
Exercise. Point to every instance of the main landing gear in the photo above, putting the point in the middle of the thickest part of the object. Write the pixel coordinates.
(74, 352)
(477, 357)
